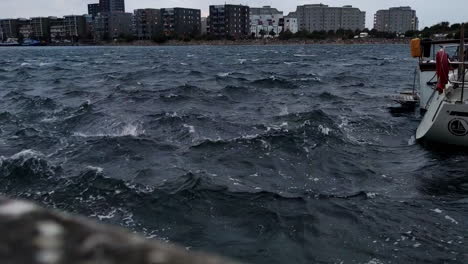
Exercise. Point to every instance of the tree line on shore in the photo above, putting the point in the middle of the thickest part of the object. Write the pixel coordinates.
(450, 31)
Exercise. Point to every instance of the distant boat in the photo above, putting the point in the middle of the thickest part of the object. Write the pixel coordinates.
(10, 42)
(31, 42)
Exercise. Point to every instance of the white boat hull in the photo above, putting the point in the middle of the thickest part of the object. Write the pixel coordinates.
(425, 90)
(446, 119)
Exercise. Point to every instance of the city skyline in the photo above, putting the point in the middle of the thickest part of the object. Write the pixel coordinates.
(429, 12)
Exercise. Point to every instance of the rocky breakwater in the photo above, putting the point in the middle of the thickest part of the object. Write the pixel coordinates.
(31, 234)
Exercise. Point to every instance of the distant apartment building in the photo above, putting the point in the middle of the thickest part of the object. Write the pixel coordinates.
(40, 27)
(396, 19)
(181, 21)
(89, 19)
(147, 23)
(94, 9)
(111, 25)
(204, 26)
(75, 27)
(25, 29)
(229, 21)
(57, 30)
(320, 17)
(106, 6)
(264, 20)
(290, 24)
(112, 6)
(9, 28)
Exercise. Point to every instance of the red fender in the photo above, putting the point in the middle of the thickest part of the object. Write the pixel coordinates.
(443, 68)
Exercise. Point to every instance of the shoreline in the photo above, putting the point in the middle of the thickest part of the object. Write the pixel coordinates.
(247, 42)
(266, 42)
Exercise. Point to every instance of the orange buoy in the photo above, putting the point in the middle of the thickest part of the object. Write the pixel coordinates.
(416, 50)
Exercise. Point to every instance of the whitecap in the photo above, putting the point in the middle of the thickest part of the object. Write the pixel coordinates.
(305, 55)
(127, 130)
(96, 169)
(224, 74)
(242, 61)
(42, 64)
(451, 219)
(109, 215)
(191, 128)
(131, 130)
(374, 261)
(317, 79)
(28, 153)
(284, 111)
(49, 119)
(324, 130)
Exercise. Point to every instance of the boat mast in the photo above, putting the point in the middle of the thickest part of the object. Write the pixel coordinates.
(461, 69)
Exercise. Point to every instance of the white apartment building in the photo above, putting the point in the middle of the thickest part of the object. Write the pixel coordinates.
(291, 24)
(320, 17)
(396, 20)
(265, 20)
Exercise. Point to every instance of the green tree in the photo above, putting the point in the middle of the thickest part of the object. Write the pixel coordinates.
(159, 38)
(301, 34)
(285, 35)
(272, 33)
(455, 27)
(411, 33)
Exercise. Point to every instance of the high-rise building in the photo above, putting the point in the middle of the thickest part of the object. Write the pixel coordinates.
(75, 26)
(147, 23)
(112, 6)
(181, 21)
(264, 20)
(9, 28)
(396, 19)
(111, 25)
(229, 21)
(319, 17)
(94, 9)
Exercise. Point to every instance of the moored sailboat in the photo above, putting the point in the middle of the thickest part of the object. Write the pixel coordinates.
(446, 119)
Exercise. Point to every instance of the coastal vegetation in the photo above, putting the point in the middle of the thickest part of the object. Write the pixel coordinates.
(440, 30)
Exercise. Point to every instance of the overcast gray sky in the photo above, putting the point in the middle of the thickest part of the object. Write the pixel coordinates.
(429, 11)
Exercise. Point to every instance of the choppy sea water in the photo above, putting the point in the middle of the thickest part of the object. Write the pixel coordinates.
(267, 154)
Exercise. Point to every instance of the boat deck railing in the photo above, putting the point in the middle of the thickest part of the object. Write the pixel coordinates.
(460, 83)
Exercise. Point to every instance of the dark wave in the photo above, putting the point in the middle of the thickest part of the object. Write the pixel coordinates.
(34, 102)
(329, 96)
(274, 82)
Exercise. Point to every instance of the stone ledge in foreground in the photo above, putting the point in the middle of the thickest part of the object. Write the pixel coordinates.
(30, 234)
